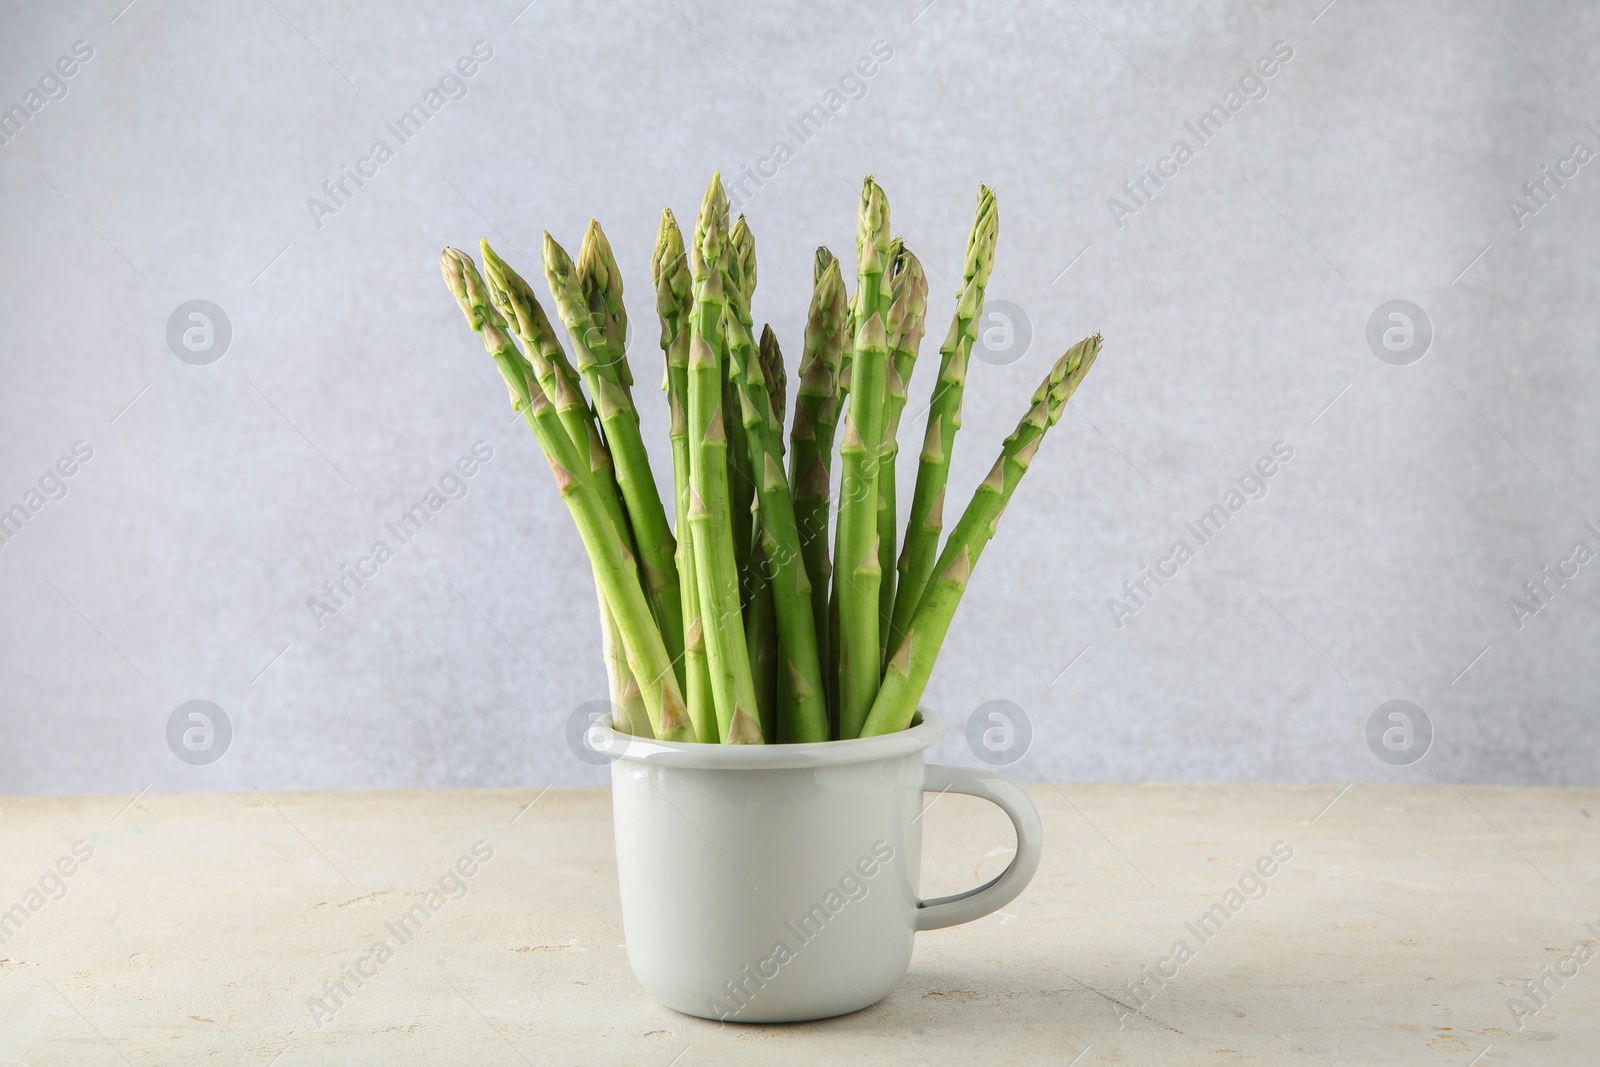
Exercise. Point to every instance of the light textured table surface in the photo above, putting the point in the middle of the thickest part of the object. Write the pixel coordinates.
(200, 926)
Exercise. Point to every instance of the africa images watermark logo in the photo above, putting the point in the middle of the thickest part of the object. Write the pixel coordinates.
(52, 486)
(1537, 592)
(452, 885)
(1139, 191)
(751, 178)
(1399, 332)
(582, 730)
(199, 332)
(452, 85)
(999, 733)
(51, 885)
(1250, 886)
(339, 591)
(1251, 486)
(199, 732)
(1539, 191)
(850, 887)
(1399, 732)
(52, 88)
(1551, 978)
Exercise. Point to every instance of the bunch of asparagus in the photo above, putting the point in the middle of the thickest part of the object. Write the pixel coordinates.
(738, 622)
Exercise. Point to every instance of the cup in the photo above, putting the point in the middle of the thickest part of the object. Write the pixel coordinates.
(779, 883)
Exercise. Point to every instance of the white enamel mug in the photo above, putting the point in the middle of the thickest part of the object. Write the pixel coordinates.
(779, 883)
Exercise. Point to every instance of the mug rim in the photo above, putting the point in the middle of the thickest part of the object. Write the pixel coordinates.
(693, 754)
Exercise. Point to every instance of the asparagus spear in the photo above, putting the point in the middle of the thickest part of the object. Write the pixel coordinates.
(739, 265)
(891, 325)
(613, 564)
(648, 658)
(601, 282)
(517, 308)
(761, 631)
(602, 288)
(906, 323)
(631, 716)
(515, 300)
(857, 550)
(761, 634)
(803, 708)
(710, 520)
(776, 377)
(908, 670)
(926, 518)
(669, 270)
(778, 391)
(755, 591)
(816, 414)
(605, 372)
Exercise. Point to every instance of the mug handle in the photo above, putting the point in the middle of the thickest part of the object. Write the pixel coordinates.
(995, 894)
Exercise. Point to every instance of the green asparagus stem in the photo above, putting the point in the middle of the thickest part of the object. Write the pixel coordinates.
(613, 565)
(859, 456)
(803, 709)
(513, 298)
(669, 270)
(834, 644)
(741, 603)
(776, 377)
(906, 322)
(601, 282)
(631, 717)
(816, 414)
(575, 414)
(648, 658)
(605, 372)
(926, 518)
(908, 670)
(710, 520)
(514, 301)
(761, 635)
(760, 623)
(739, 266)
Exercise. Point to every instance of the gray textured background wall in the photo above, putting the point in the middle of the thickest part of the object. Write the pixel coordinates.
(1377, 163)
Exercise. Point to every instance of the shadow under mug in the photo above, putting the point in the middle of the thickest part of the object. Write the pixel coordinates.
(779, 883)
